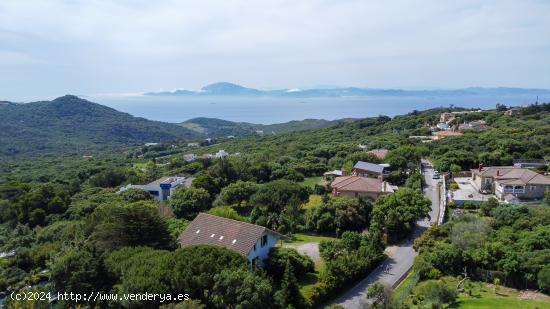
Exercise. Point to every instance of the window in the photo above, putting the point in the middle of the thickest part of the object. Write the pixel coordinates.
(212, 236)
(264, 240)
(197, 231)
(532, 188)
(221, 237)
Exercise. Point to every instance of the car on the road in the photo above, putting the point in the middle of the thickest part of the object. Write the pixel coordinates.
(436, 175)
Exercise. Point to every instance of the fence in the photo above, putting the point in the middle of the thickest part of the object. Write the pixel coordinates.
(442, 201)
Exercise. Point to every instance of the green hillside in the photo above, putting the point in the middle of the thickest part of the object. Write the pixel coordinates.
(217, 127)
(69, 124)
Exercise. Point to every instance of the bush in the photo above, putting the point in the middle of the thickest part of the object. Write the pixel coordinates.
(188, 202)
(226, 212)
(544, 278)
(134, 195)
(278, 258)
(108, 178)
(453, 186)
(435, 293)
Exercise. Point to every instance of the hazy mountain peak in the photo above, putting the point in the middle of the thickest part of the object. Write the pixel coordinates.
(226, 88)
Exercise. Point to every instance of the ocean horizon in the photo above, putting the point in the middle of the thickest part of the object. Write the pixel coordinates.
(269, 110)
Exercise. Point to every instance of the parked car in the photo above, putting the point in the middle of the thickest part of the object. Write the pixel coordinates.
(436, 175)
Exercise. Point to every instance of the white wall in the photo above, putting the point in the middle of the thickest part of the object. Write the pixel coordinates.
(262, 252)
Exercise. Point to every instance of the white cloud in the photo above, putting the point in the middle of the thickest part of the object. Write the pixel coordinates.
(106, 46)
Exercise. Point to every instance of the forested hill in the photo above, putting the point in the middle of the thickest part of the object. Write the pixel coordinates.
(213, 127)
(69, 123)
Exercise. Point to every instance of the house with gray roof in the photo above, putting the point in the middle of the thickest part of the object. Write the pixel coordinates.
(367, 169)
(162, 188)
(250, 240)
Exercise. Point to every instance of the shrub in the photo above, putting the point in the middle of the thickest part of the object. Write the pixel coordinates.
(435, 293)
(279, 257)
(134, 195)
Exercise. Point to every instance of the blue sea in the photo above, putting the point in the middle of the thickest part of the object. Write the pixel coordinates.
(268, 110)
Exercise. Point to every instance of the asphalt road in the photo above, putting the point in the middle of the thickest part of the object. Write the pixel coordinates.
(401, 256)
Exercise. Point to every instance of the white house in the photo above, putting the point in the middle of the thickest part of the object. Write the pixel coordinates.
(189, 157)
(221, 154)
(250, 240)
(161, 189)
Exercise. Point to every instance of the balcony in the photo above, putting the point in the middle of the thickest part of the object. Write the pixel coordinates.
(512, 189)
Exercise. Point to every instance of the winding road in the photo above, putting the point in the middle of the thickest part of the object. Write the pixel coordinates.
(401, 256)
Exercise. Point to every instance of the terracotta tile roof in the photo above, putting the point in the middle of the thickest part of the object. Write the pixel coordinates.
(235, 235)
(513, 175)
(357, 184)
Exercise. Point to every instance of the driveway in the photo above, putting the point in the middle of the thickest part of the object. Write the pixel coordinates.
(401, 257)
(468, 192)
(310, 249)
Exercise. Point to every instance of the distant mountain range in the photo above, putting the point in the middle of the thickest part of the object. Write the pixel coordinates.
(229, 89)
(69, 125)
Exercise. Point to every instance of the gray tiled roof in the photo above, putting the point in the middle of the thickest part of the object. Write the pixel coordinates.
(208, 229)
(367, 166)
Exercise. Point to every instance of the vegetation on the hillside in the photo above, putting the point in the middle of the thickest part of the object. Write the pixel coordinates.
(72, 232)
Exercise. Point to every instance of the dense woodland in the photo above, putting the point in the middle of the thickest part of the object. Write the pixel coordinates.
(71, 232)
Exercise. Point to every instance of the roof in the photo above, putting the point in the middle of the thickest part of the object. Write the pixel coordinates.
(380, 153)
(166, 180)
(333, 173)
(367, 166)
(357, 184)
(511, 175)
(235, 235)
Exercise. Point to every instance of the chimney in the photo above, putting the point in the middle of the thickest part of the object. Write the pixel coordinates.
(480, 167)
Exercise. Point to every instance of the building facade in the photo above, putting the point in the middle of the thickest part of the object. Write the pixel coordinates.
(521, 183)
(161, 189)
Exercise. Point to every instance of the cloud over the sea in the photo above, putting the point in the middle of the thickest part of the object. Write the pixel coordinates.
(54, 47)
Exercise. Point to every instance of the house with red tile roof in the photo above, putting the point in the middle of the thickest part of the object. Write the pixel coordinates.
(357, 186)
(522, 183)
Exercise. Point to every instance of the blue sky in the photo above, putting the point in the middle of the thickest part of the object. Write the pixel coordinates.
(50, 48)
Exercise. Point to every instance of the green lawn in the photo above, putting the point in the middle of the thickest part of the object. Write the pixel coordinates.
(483, 296)
(480, 295)
(310, 280)
(312, 181)
(300, 238)
(500, 303)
